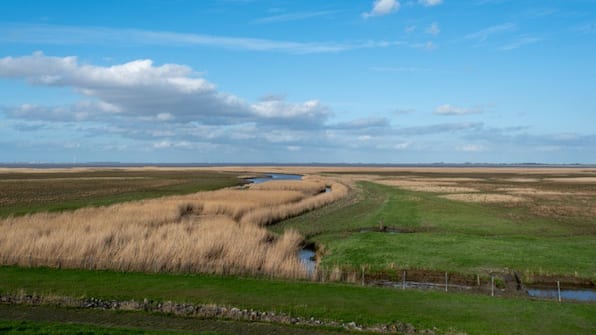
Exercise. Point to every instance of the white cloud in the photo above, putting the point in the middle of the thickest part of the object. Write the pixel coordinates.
(402, 146)
(430, 3)
(278, 108)
(162, 144)
(164, 116)
(433, 29)
(81, 111)
(39, 34)
(382, 7)
(139, 89)
(472, 148)
(292, 16)
(448, 109)
(428, 46)
(486, 33)
(519, 42)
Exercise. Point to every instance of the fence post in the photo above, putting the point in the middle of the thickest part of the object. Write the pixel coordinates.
(362, 275)
(492, 285)
(478, 280)
(559, 290)
(403, 285)
(446, 281)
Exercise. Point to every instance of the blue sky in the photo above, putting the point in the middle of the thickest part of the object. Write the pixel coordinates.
(495, 81)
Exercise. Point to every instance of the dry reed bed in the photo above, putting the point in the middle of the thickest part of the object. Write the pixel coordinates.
(483, 197)
(272, 214)
(216, 231)
(427, 186)
(537, 192)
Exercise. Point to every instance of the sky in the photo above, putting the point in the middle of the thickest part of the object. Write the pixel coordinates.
(241, 81)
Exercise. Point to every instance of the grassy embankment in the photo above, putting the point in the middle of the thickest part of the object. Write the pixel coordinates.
(551, 231)
(424, 309)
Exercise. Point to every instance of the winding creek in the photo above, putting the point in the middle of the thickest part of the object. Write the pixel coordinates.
(307, 256)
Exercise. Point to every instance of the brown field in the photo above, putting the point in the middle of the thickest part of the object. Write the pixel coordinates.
(53, 190)
(217, 231)
(484, 197)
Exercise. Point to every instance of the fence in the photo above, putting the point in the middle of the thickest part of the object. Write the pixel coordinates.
(491, 283)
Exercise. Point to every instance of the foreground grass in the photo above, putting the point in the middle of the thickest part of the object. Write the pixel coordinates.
(23, 319)
(22, 193)
(425, 309)
(447, 235)
(50, 328)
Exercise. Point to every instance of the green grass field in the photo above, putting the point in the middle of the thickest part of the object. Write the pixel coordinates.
(22, 193)
(445, 235)
(368, 305)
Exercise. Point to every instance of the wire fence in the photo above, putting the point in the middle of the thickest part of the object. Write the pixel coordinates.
(493, 284)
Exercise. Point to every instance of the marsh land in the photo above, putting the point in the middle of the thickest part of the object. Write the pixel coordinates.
(389, 242)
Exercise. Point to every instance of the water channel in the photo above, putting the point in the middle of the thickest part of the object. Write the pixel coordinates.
(307, 256)
(578, 295)
(274, 176)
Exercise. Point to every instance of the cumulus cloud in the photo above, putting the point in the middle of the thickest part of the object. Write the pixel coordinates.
(382, 7)
(275, 108)
(448, 109)
(81, 111)
(430, 3)
(139, 89)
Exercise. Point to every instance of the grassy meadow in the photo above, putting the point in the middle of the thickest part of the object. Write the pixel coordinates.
(547, 230)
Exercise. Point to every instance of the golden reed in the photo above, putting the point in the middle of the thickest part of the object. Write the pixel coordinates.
(215, 232)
